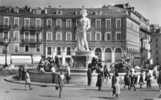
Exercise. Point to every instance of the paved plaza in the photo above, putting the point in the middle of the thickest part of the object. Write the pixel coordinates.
(13, 91)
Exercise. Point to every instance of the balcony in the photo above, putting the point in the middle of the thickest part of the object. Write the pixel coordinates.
(31, 28)
(48, 27)
(4, 28)
(31, 41)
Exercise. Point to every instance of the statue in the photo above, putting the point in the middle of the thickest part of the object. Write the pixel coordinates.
(81, 33)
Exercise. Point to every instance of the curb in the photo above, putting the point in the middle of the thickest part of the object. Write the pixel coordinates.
(9, 79)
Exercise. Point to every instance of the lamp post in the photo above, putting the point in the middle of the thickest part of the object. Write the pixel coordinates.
(6, 42)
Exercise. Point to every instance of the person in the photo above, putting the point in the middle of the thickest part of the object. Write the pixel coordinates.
(148, 79)
(53, 69)
(99, 76)
(60, 83)
(113, 81)
(89, 74)
(68, 77)
(27, 80)
(159, 80)
(81, 34)
(106, 72)
(141, 79)
(117, 85)
(133, 78)
(127, 80)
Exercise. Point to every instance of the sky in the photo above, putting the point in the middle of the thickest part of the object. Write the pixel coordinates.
(150, 9)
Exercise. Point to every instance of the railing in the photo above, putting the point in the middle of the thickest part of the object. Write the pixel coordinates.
(5, 27)
(32, 28)
(31, 41)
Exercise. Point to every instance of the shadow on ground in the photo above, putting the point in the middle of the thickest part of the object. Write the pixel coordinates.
(18, 89)
(48, 96)
(149, 90)
(107, 98)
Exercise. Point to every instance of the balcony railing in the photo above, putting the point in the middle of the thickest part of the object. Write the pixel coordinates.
(5, 27)
(31, 41)
(32, 28)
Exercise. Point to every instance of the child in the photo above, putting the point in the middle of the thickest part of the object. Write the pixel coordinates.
(27, 80)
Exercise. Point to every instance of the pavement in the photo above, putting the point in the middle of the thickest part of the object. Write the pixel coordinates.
(13, 90)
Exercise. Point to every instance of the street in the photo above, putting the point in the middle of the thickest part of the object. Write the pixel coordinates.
(12, 91)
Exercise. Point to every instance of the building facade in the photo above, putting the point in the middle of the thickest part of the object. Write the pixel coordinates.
(114, 34)
(155, 44)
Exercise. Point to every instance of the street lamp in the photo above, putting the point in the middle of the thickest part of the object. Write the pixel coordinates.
(6, 42)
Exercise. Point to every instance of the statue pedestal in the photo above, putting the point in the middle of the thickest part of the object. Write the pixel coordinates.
(82, 59)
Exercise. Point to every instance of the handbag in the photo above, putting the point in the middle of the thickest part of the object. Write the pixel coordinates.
(56, 87)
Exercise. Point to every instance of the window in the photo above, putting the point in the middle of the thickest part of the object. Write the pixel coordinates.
(26, 48)
(107, 36)
(59, 12)
(68, 51)
(108, 24)
(157, 52)
(98, 23)
(156, 40)
(156, 45)
(6, 20)
(108, 50)
(16, 48)
(16, 21)
(49, 51)
(26, 35)
(32, 37)
(157, 59)
(98, 36)
(118, 35)
(16, 35)
(6, 35)
(68, 23)
(38, 22)
(58, 36)
(89, 37)
(26, 21)
(118, 50)
(49, 22)
(58, 51)
(68, 36)
(38, 36)
(49, 35)
(118, 23)
(59, 23)
(38, 49)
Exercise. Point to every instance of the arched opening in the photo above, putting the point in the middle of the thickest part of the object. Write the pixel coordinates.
(58, 51)
(108, 55)
(118, 53)
(68, 51)
(98, 53)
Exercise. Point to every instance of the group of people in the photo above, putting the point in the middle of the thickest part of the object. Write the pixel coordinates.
(53, 65)
(130, 80)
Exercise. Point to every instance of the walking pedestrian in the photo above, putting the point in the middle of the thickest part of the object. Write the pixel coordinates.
(27, 80)
(148, 79)
(60, 83)
(159, 81)
(67, 75)
(127, 80)
(113, 84)
(89, 74)
(141, 79)
(133, 78)
(117, 85)
(99, 76)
